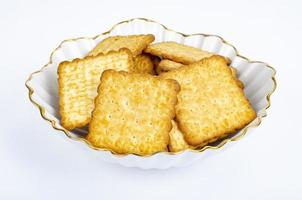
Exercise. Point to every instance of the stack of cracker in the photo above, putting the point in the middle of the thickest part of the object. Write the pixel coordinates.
(142, 98)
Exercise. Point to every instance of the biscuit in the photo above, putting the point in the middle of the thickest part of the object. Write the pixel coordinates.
(143, 64)
(210, 103)
(133, 113)
(177, 52)
(166, 65)
(78, 82)
(177, 141)
(135, 43)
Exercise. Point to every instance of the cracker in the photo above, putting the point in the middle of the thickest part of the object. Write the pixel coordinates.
(133, 113)
(177, 141)
(143, 64)
(168, 65)
(177, 52)
(210, 103)
(135, 43)
(78, 82)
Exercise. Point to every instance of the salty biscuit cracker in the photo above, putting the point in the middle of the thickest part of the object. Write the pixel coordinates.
(177, 141)
(177, 52)
(133, 113)
(135, 43)
(143, 64)
(78, 82)
(168, 65)
(210, 103)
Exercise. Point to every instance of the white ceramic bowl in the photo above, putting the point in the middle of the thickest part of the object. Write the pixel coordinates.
(258, 78)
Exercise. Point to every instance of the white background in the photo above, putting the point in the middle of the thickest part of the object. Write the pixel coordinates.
(36, 162)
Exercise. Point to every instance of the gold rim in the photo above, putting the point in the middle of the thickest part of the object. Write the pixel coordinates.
(221, 144)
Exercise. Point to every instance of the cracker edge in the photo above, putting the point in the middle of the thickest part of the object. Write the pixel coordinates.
(149, 39)
(169, 56)
(163, 65)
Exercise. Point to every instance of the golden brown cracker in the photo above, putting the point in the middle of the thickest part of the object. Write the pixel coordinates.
(210, 103)
(78, 82)
(133, 113)
(143, 64)
(135, 43)
(177, 142)
(177, 52)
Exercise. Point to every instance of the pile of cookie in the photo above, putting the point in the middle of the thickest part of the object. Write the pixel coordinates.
(141, 97)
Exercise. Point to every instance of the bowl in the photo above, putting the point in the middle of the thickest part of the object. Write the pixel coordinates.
(258, 78)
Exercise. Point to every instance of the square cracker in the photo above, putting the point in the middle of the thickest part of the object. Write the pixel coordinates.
(210, 103)
(78, 82)
(135, 43)
(177, 52)
(133, 113)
